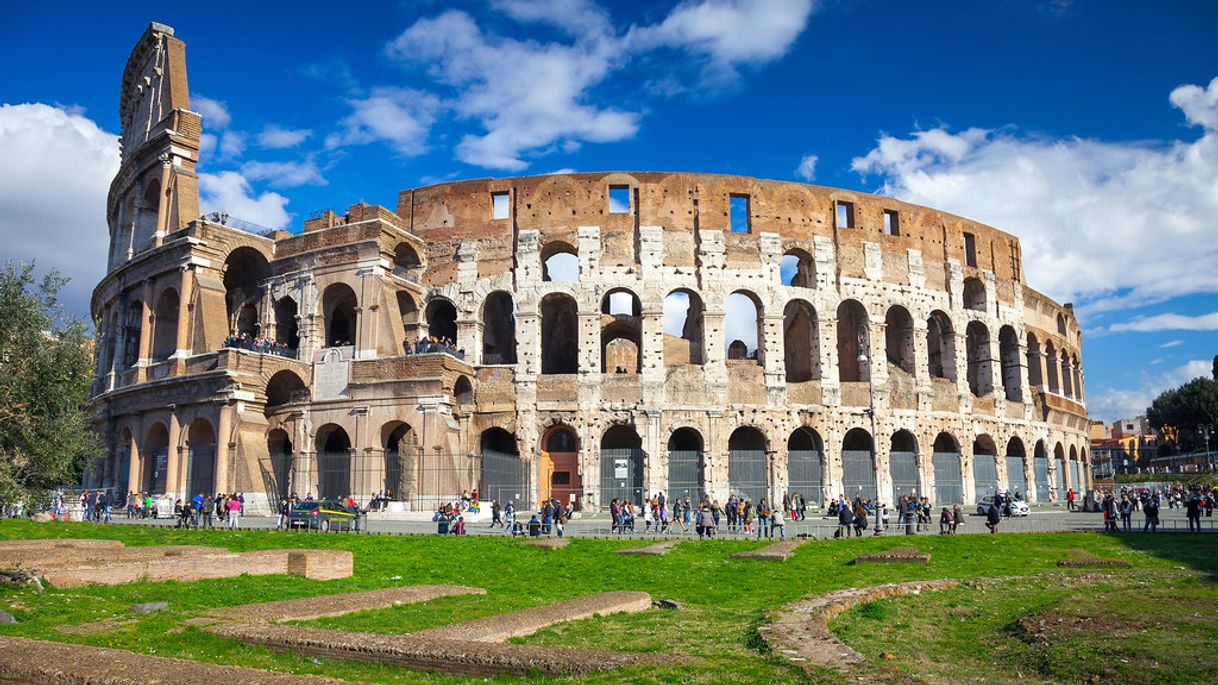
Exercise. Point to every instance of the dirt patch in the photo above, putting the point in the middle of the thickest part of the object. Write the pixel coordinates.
(899, 555)
(1077, 558)
(1047, 627)
(799, 632)
(779, 551)
(547, 543)
(95, 627)
(36, 661)
(657, 549)
(309, 608)
(528, 621)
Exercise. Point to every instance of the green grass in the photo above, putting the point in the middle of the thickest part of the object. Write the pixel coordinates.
(725, 600)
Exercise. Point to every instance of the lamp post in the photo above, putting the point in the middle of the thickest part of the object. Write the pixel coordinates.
(1206, 431)
(870, 410)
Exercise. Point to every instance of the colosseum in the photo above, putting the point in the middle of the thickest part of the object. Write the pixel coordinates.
(600, 335)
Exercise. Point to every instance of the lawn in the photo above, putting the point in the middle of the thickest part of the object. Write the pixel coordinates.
(724, 600)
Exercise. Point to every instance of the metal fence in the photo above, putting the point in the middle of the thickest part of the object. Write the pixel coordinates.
(1016, 481)
(903, 466)
(858, 474)
(805, 475)
(746, 474)
(1040, 473)
(686, 474)
(622, 475)
(949, 487)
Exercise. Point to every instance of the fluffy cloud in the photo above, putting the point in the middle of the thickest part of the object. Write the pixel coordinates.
(730, 32)
(1111, 404)
(1171, 343)
(276, 138)
(215, 113)
(229, 191)
(399, 116)
(232, 144)
(1168, 322)
(1105, 223)
(55, 172)
(807, 168)
(285, 174)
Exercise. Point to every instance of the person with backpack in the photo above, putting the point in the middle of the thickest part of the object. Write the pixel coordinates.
(992, 518)
(845, 519)
(209, 508)
(860, 519)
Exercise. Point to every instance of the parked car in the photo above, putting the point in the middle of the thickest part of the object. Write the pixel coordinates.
(1018, 507)
(324, 515)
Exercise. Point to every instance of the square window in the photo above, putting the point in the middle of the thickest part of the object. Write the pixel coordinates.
(970, 249)
(892, 222)
(500, 207)
(739, 213)
(619, 199)
(845, 215)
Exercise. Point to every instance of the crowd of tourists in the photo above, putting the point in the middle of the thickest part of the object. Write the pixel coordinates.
(549, 519)
(1119, 507)
(260, 344)
(433, 345)
(204, 511)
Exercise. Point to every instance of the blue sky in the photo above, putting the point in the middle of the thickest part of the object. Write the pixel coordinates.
(1090, 129)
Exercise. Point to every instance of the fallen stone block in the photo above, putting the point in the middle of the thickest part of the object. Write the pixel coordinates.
(1077, 558)
(148, 607)
(657, 549)
(899, 555)
(59, 543)
(528, 621)
(309, 608)
(7, 618)
(779, 551)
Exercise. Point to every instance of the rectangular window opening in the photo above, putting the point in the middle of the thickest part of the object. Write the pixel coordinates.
(500, 205)
(845, 215)
(892, 222)
(619, 199)
(970, 249)
(739, 213)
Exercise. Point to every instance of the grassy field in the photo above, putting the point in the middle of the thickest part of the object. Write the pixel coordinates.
(724, 600)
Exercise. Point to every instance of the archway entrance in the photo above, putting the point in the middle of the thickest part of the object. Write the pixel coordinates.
(747, 472)
(202, 451)
(333, 462)
(622, 465)
(560, 476)
(502, 475)
(805, 473)
(685, 465)
(949, 488)
(903, 465)
(858, 464)
(985, 467)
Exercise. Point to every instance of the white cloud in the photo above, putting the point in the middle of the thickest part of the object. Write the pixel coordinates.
(1171, 343)
(807, 168)
(230, 192)
(1110, 404)
(55, 172)
(739, 321)
(731, 32)
(1168, 322)
(207, 144)
(215, 113)
(276, 138)
(400, 116)
(577, 17)
(285, 174)
(232, 144)
(1105, 223)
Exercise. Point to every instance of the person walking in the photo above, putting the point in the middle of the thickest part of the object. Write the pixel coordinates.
(1070, 499)
(1125, 509)
(1192, 510)
(208, 507)
(234, 512)
(992, 518)
(285, 512)
(777, 523)
(1150, 510)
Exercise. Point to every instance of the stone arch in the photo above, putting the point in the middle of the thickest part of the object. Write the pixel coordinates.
(621, 332)
(797, 268)
(1051, 365)
(1035, 379)
(1061, 323)
(502, 474)
(1059, 479)
(560, 476)
(1067, 375)
(898, 338)
(622, 461)
(801, 342)
(406, 262)
(974, 294)
(333, 461)
(1012, 371)
(941, 346)
(147, 214)
(123, 456)
(805, 465)
(499, 329)
(442, 319)
(559, 334)
(279, 451)
(401, 452)
(463, 391)
(684, 328)
(338, 306)
(285, 387)
(903, 464)
(287, 324)
(133, 329)
(165, 325)
(154, 455)
(559, 262)
(747, 466)
(742, 327)
(1015, 459)
(853, 342)
(245, 270)
(408, 315)
(686, 465)
(980, 372)
(1076, 481)
(949, 485)
(1040, 472)
(858, 464)
(201, 458)
(985, 466)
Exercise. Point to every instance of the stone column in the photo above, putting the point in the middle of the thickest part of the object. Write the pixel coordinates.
(145, 333)
(136, 460)
(223, 433)
(174, 459)
(184, 308)
(162, 211)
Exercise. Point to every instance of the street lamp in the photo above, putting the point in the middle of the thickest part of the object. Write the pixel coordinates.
(1206, 431)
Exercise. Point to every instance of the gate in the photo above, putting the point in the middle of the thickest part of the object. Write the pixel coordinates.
(949, 488)
(202, 474)
(805, 476)
(503, 477)
(985, 475)
(858, 474)
(333, 474)
(903, 467)
(1040, 473)
(1075, 476)
(1016, 482)
(1059, 479)
(746, 474)
(685, 475)
(621, 475)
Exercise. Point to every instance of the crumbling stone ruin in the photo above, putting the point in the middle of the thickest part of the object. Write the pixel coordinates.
(613, 335)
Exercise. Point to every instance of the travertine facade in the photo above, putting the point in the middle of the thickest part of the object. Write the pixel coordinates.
(800, 321)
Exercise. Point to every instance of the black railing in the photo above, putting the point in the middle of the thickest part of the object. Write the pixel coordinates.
(261, 346)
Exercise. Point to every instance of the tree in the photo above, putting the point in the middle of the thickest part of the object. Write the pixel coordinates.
(45, 371)
(1184, 408)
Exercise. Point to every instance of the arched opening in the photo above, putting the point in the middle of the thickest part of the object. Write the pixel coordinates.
(622, 465)
(903, 464)
(502, 474)
(980, 372)
(463, 391)
(898, 338)
(1035, 379)
(805, 471)
(499, 329)
(559, 334)
(145, 219)
(742, 336)
(858, 464)
(1059, 478)
(408, 314)
(406, 263)
(1040, 471)
(400, 460)
(561, 478)
(683, 328)
(279, 450)
(333, 462)
(559, 262)
(1076, 480)
(801, 342)
(949, 486)
(442, 321)
(244, 272)
(287, 326)
(941, 346)
(122, 457)
(747, 469)
(285, 387)
(985, 467)
(974, 294)
(853, 342)
(1051, 366)
(686, 466)
(621, 332)
(132, 329)
(1061, 324)
(1017, 482)
(155, 458)
(165, 326)
(797, 269)
(1067, 375)
(338, 304)
(1012, 372)
(201, 451)
(1077, 367)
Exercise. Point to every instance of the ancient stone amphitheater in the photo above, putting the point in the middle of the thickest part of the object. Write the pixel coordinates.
(614, 335)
